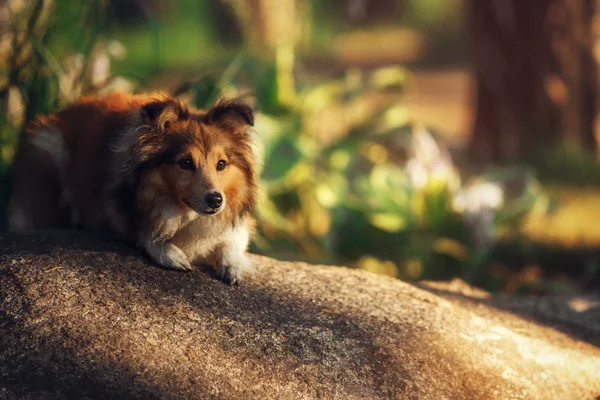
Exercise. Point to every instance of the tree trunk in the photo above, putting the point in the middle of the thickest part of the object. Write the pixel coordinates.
(536, 76)
(268, 24)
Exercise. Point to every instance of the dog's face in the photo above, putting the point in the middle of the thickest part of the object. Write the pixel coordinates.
(199, 161)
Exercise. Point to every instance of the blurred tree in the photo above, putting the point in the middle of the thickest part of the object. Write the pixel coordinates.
(536, 76)
(273, 29)
(269, 24)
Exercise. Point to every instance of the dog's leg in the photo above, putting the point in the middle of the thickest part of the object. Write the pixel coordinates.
(38, 185)
(232, 261)
(167, 255)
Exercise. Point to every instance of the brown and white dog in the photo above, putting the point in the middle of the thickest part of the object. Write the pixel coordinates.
(180, 183)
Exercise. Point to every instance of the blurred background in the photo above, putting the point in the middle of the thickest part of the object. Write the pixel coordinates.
(420, 139)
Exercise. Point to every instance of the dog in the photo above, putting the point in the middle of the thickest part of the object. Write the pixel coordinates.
(178, 182)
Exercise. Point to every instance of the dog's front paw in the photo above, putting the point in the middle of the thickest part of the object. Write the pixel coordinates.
(169, 256)
(233, 274)
(175, 258)
(229, 275)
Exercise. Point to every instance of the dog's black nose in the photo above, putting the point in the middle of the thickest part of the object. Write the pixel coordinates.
(214, 200)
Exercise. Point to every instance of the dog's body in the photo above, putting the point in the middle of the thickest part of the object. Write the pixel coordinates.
(180, 183)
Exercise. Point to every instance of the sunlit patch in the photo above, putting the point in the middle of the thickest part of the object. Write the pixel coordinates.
(396, 117)
(479, 196)
(389, 222)
(15, 110)
(340, 159)
(375, 153)
(326, 196)
(413, 269)
(581, 304)
(391, 77)
(377, 266)
(451, 248)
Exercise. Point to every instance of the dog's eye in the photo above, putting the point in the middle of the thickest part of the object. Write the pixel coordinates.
(221, 165)
(186, 163)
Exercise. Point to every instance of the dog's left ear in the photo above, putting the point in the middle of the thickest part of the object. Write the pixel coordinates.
(161, 112)
(232, 114)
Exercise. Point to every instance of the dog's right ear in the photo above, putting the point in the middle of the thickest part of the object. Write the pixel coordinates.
(230, 113)
(160, 113)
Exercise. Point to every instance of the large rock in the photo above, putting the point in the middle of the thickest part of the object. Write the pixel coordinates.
(85, 317)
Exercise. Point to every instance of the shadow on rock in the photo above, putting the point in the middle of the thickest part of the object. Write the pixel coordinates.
(85, 316)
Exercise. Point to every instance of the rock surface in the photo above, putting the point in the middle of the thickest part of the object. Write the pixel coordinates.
(82, 316)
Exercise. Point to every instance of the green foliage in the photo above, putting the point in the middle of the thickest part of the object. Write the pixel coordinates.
(346, 179)
(57, 51)
(175, 35)
(427, 13)
(569, 164)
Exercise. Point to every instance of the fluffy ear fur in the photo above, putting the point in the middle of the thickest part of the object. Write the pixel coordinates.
(230, 113)
(159, 113)
(141, 142)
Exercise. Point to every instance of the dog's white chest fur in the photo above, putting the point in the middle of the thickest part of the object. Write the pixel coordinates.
(199, 239)
(202, 240)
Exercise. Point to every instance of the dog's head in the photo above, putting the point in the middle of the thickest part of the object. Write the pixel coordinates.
(203, 161)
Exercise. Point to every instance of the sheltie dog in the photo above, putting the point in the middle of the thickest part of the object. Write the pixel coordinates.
(181, 183)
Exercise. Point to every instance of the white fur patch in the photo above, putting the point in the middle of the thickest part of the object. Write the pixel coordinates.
(51, 141)
(171, 219)
(199, 238)
(205, 235)
(127, 139)
(234, 261)
(256, 144)
(168, 255)
(235, 245)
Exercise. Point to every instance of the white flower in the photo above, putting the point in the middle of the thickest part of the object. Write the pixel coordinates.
(116, 49)
(430, 161)
(417, 173)
(479, 196)
(477, 204)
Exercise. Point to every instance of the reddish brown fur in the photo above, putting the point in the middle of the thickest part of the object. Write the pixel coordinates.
(139, 179)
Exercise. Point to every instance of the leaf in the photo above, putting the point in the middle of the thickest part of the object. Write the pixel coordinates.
(377, 266)
(322, 95)
(389, 78)
(284, 156)
(266, 88)
(389, 222)
(205, 91)
(340, 159)
(269, 212)
(451, 247)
